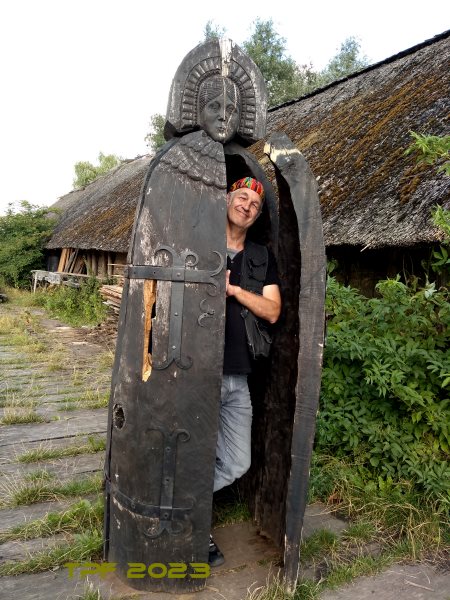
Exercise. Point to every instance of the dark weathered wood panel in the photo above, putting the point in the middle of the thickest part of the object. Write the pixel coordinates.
(296, 181)
(150, 467)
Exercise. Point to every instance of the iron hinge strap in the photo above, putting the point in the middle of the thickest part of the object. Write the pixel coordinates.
(167, 274)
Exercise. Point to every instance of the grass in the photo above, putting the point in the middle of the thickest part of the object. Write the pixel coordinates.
(25, 298)
(86, 546)
(94, 444)
(322, 542)
(275, 590)
(387, 524)
(57, 359)
(340, 568)
(24, 493)
(38, 475)
(362, 531)
(90, 593)
(76, 518)
(106, 360)
(393, 513)
(90, 400)
(19, 401)
(229, 507)
(6, 391)
(20, 416)
(342, 574)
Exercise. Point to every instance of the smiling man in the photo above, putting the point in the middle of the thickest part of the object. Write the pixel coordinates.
(244, 204)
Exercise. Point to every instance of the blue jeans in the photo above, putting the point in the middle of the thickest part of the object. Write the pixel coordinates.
(233, 453)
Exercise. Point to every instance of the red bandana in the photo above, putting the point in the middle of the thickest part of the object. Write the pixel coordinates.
(249, 182)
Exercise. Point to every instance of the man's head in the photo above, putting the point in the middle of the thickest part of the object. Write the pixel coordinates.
(219, 108)
(244, 202)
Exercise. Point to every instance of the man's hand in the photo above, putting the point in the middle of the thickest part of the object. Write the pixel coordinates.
(267, 306)
(230, 289)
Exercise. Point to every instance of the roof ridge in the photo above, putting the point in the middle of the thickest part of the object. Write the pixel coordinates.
(390, 59)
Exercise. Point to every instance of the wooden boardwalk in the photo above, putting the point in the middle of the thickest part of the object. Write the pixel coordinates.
(53, 375)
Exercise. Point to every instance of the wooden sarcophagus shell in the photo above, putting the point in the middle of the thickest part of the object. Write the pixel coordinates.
(165, 394)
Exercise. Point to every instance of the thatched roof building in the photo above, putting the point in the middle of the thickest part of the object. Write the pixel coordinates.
(353, 133)
(100, 216)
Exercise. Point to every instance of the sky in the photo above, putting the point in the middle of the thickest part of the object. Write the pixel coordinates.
(79, 77)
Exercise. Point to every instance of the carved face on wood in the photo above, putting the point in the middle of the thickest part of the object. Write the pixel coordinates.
(219, 108)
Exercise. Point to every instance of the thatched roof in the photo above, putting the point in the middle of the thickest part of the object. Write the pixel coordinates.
(101, 214)
(353, 133)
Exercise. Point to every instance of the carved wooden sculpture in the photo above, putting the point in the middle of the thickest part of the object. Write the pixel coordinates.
(166, 381)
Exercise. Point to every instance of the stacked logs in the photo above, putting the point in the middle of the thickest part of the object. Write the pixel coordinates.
(112, 296)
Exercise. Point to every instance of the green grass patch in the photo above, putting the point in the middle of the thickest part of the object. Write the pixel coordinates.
(38, 475)
(275, 590)
(18, 339)
(26, 493)
(16, 401)
(84, 547)
(396, 511)
(25, 298)
(78, 517)
(106, 360)
(90, 400)
(94, 444)
(6, 391)
(342, 574)
(362, 531)
(227, 514)
(20, 416)
(322, 542)
(90, 593)
(77, 306)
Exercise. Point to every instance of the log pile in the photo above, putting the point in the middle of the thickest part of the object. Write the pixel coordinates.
(112, 296)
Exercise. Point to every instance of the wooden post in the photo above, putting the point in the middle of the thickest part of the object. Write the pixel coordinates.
(110, 267)
(94, 264)
(62, 259)
(102, 264)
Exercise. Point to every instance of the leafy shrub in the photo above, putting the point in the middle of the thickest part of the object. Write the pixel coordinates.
(23, 234)
(385, 384)
(77, 306)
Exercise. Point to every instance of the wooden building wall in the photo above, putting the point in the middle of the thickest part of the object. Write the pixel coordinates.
(363, 269)
(92, 262)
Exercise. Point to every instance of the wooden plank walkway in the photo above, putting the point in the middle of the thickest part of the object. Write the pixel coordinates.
(55, 385)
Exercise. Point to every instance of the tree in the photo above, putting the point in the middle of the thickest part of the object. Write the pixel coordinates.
(268, 49)
(285, 78)
(23, 233)
(212, 31)
(155, 138)
(345, 62)
(86, 172)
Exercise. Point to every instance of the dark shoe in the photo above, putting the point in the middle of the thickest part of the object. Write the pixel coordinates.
(216, 558)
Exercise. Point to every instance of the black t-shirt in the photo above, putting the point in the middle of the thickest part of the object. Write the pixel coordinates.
(237, 358)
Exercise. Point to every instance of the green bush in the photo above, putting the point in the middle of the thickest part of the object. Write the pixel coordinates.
(77, 306)
(386, 378)
(23, 234)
